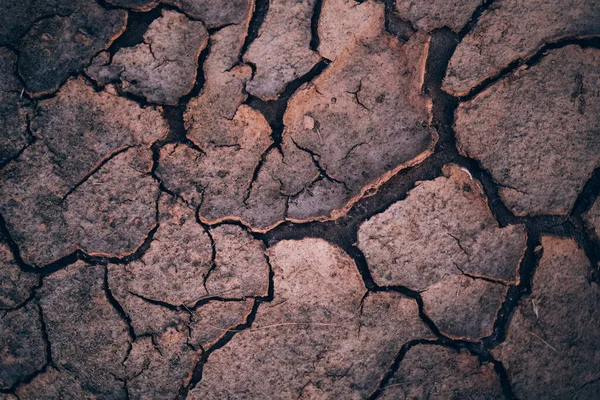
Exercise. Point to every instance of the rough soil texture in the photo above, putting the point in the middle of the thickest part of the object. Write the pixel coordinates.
(299, 199)
(436, 14)
(322, 337)
(557, 325)
(435, 372)
(536, 131)
(513, 30)
(419, 243)
(281, 51)
(163, 68)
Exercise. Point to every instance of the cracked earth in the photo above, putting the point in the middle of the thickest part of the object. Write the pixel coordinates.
(299, 199)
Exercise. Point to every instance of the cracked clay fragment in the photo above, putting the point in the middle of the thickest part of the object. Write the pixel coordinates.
(180, 258)
(172, 270)
(342, 22)
(18, 16)
(551, 348)
(241, 269)
(229, 137)
(537, 131)
(157, 367)
(281, 52)
(59, 46)
(215, 14)
(369, 119)
(442, 230)
(15, 284)
(207, 320)
(440, 373)
(84, 184)
(13, 118)
(136, 5)
(22, 346)
(217, 170)
(592, 217)
(512, 30)
(435, 14)
(163, 68)
(464, 307)
(314, 340)
(235, 172)
(89, 339)
(53, 384)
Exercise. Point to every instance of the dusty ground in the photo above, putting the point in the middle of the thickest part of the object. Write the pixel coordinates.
(299, 199)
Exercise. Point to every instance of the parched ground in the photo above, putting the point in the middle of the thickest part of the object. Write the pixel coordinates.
(299, 199)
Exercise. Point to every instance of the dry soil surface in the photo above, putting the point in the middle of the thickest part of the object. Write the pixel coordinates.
(299, 199)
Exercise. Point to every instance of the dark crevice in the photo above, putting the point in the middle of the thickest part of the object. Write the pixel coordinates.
(87, 176)
(314, 25)
(118, 308)
(107, 6)
(588, 195)
(507, 389)
(200, 78)
(529, 61)
(395, 25)
(46, 338)
(484, 6)
(137, 26)
(261, 8)
(274, 110)
(213, 247)
(198, 369)
(396, 365)
(516, 293)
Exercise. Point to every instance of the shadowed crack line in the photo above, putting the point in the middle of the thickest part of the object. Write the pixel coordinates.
(395, 25)
(95, 169)
(315, 159)
(274, 110)
(529, 61)
(118, 308)
(396, 365)
(483, 7)
(47, 344)
(198, 369)
(261, 8)
(47, 354)
(343, 231)
(314, 25)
